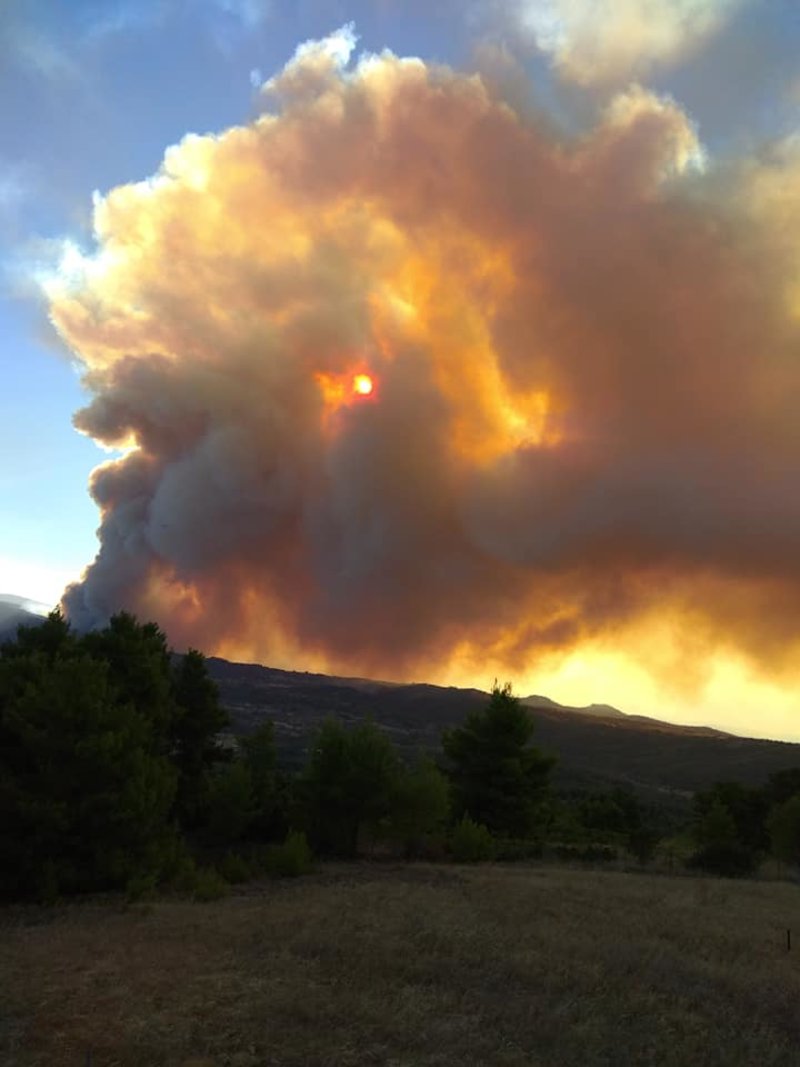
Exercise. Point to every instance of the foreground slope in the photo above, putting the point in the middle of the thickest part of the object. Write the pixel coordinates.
(418, 965)
(593, 749)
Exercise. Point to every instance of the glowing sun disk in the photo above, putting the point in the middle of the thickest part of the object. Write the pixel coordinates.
(363, 385)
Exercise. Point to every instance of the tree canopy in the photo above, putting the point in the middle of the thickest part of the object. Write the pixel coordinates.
(95, 735)
(348, 785)
(499, 778)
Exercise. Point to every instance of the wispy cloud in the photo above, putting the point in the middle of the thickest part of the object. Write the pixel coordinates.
(39, 52)
(250, 13)
(123, 17)
(610, 41)
(14, 187)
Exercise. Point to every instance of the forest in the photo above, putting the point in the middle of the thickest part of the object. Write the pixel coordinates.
(115, 776)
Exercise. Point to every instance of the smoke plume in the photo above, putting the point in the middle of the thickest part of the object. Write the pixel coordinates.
(585, 359)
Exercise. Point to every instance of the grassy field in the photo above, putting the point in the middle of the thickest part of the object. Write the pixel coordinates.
(413, 965)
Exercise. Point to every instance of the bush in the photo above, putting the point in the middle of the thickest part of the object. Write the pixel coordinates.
(728, 860)
(141, 887)
(471, 842)
(514, 850)
(642, 844)
(183, 877)
(209, 885)
(585, 853)
(432, 849)
(420, 807)
(46, 891)
(255, 856)
(783, 825)
(234, 868)
(167, 857)
(290, 859)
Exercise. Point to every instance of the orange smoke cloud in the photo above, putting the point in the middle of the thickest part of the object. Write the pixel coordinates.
(586, 357)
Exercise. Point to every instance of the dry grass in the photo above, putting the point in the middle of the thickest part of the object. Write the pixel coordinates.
(417, 965)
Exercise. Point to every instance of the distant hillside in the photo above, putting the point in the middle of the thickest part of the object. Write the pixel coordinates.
(602, 711)
(595, 747)
(15, 611)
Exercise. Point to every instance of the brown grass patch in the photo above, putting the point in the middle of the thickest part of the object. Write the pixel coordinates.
(416, 966)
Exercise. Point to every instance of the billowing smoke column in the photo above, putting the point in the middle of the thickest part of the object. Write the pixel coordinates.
(585, 369)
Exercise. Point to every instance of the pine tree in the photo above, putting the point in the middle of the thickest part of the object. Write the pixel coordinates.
(196, 722)
(499, 779)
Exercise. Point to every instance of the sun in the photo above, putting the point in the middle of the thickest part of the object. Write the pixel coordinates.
(363, 385)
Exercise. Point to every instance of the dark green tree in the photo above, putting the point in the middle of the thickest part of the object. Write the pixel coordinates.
(231, 805)
(642, 842)
(720, 849)
(84, 793)
(783, 824)
(499, 778)
(270, 787)
(747, 807)
(197, 719)
(347, 787)
(52, 637)
(619, 815)
(782, 785)
(614, 812)
(716, 826)
(420, 806)
(96, 735)
(138, 662)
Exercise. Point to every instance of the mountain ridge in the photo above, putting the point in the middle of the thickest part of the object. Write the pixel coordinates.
(15, 611)
(597, 746)
(594, 750)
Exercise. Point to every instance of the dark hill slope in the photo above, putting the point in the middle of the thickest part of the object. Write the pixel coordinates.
(15, 612)
(597, 750)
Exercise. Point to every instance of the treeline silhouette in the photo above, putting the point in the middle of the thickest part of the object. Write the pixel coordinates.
(114, 775)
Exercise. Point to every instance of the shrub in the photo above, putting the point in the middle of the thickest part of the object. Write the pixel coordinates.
(585, 853)
(234, 868)
(420, 807)
(168, 858)
(726, 859)
(432, 848)
(515, 850)
(183, 877)
(209, 885)
(141, 887)
(290, 859)
(642, 844)
(47, 888)
(471, 842)
(783, 825)
(255, 856)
